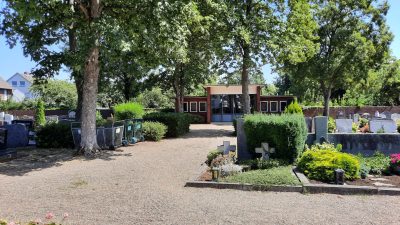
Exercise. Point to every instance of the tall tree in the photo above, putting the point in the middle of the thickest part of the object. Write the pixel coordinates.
(44, 27)
(353, 39)
(261, 32)
(188, 36)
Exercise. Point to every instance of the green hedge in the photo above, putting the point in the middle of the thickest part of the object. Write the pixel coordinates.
(129, 110)
(320, 165)
(286, 132)
(153, 131)
(54, 135)
(177, 123)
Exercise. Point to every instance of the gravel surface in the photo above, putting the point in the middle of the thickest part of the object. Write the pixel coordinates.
(144, 184)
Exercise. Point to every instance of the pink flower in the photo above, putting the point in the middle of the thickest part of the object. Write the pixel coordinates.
(11, 223)
(49, 215)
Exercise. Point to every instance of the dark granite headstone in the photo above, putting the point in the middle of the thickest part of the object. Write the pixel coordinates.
(17, 135)
(242, 150)
(3, 138)
(309, 123)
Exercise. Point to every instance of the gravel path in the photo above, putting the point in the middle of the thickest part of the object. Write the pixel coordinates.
(144, 184)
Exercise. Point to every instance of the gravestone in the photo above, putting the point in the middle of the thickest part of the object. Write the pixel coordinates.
(386, 115)
(3, 138)
(356, 118)
(2, 115)
(388, 125)
(71, 114)
(17, 135)
(344, 125)
(341, 115)
(309, 123)
(321, 128)
(395, 117)
(226, 147)
(8, 118)
(242, 150)
(265, 150)
(52, 118)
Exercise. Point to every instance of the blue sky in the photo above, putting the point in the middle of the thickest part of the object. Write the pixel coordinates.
(13, 60)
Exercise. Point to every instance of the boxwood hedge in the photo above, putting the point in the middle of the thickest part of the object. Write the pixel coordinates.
(177, 123)
(286, 132)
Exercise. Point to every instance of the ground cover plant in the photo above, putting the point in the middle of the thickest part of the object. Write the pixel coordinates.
(153, 131)
(281, 175)
(286, 132)
(377, 164)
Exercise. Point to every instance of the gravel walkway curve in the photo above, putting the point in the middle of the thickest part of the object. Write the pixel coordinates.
(144, 184)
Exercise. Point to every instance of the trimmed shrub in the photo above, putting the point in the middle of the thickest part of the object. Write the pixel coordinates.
(40, 118)
(177, 123)
(153, 131)
(129, 110)
(287, 133)
(294, 108)
(196, 119)
(54, 135)
(320, 165)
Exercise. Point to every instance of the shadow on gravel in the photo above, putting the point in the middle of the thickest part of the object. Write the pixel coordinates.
(208, 133)
(29, 160)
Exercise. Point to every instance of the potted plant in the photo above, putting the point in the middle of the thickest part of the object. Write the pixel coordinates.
(395, 163)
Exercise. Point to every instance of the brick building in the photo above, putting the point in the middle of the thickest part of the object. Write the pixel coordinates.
(222, 103)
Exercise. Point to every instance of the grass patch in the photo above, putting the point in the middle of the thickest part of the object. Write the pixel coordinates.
(78, 183)
(275, 176)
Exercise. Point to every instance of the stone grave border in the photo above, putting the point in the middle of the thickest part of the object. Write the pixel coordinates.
(306, 187)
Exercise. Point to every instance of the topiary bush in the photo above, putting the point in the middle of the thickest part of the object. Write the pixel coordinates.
(196, 119)
(294, 108)
(54, 135)
(153, 131)
(287, 133)
(129, 110)
(177, 123)
(320, 165)
(40, 118)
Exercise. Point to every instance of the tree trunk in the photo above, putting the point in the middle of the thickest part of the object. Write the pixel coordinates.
(88, 135)
(75, 73)
(327, 97)
(127, 87)
(245, 80)
(178, 88)
(79, 88)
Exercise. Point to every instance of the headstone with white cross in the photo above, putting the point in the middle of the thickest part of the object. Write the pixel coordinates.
(226, 147)
(265, 150)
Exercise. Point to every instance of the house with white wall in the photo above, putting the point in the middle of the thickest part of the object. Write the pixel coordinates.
(5, 90)
(21, 84)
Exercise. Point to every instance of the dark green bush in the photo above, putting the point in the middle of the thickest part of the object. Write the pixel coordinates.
(287, 133)
(40, 118)
(264, 164)
(196, 119)
(129, 110)
(54, 135)
(320, 165)
(153, 131)
(177, 123)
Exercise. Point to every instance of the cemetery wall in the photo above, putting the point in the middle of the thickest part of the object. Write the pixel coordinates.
(347, 110)
(365, 144)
